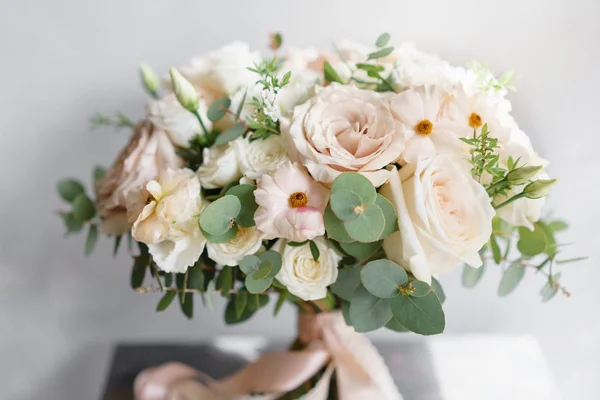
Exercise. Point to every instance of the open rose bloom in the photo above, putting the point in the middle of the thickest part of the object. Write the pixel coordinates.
(339, 180)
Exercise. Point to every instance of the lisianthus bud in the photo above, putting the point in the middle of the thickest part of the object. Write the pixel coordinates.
(522, 175)
(539, 188)
(149, 79)
(184, 91)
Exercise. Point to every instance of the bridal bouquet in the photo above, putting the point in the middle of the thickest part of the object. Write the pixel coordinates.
(338, 180)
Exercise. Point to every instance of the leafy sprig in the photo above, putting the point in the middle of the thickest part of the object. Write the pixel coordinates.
(484, 155)
(99, 120)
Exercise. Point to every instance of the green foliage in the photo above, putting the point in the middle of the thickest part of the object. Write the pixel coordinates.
(99, 120)
(225, 282)
(245, 194)
(219, 217)
(484, 155)
(383, 278)
(550, 288)
(362, 251)
(471, 276)
(368, 312)
(330, 74)
(382, 40)
(260, 270)
(98, 173)
(335, 227)
(92, 238)
(83, 207)
(218, 109)
(229, 134)
(368, 227)
(390, 215)
(422, 315)
(138, 272)
(349, 279)
(532, 243)
(314, 250)
(69, 189)
(495, 249)
(511, 278)
(438, 290)
(276, 41)
(418, 288)
(72, 224)
(384, 52)
(166, 301)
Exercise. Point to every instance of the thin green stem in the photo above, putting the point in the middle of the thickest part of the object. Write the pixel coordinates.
(507, 202)
(197, 114)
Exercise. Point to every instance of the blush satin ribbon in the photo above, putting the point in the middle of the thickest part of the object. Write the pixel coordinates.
(360, 371)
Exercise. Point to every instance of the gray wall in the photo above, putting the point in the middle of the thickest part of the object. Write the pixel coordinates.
(62, 60)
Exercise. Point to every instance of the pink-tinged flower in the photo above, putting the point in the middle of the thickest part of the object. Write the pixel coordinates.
(291, 204)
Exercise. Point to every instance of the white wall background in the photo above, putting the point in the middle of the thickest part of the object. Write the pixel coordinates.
(62, 60)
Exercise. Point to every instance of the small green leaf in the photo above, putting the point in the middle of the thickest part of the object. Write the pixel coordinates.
(229, 134)
(382, 40)
(245, 194)
(273, 258)
(571, 260)
(249, 264)
(241, 105)
(368, 312)
(344, 204)
(511, 278)
(550, 288)
(91, 239)
(346, 312)
(225, 281)
(72, 224)
(280, 300)
(532, 243)
(138, 272)
(438, 290)
(255, 286)
(166, 301)
(217, 219)
(196, 278)
(495, 249)
(347, 282)
(383, 278)
(389, 213)
(550, 240)
(187, 304)
(83, 207)
(314, 250)
(422, 315)
(368, 227)
(230, 311)
(558, 226)
(296, 244)
(386, 51)
(257, 301)
(218, 109)
(99, 173)
(263, 271)
(117, 244)
(395, 325)
(168, 280)
(330, 74)
(69, 189)
(471, 276)
(419, 289)
(361, 250)
(241, 302)
(357, 184)
(335, 227)
(227, 237)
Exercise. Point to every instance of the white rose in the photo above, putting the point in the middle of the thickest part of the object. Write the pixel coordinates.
(222, 72)
(220, 167)
(247, 242)
(180, 124)
(344, 128)
(444, 217)
(177, 254)
(260, 157)
(302, 275)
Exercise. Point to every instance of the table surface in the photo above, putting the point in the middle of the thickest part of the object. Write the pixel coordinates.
(473, 367)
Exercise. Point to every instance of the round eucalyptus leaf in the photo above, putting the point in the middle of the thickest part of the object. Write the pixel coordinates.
(218, 109)
(335, 227)
(344, 203)
(263, 271)
(422, 315)
(511, 278)
(274, 259)
(226, 237)
(229, 134)
(395, 325)
(218, 217)
(383, 278)
(83, 207)
(368, 227)
(356, 183)
(532, 243)
(245, 194)
(361, 250)
(389, 213)
(419, 289)
(368, 312)
(439, 291)
(69, 189)
(347, 282)
(257, 285)
(249, 264)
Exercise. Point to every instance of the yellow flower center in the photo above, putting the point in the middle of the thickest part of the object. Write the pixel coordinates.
(475, 120)
(298, 199)
(424, 127)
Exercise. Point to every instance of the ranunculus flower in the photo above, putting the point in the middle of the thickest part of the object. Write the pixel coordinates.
(302, 275)
(220, 167)
(291, 204)
(179, 123)
(444, 217)
(247, 242)
(166, 215)
(148, 151)
(260, 157)
(344, 128)
(426, 129)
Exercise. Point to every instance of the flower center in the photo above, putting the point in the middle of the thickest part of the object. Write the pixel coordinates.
(298, 199)
(424, 127)
(475, 120)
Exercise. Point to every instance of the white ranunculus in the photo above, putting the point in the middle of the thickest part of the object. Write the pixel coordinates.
(177, 254)
(302, 275)
(180, 124)
(247, 242)
(344, 128)
(444, 217)
(260, 157)
(220, 167)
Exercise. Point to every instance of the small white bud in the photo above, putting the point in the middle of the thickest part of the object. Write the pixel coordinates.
(149, 79)
(522, 175)
(539, 188)
(184, 91)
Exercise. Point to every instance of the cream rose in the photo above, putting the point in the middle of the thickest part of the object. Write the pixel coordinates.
(247, 242)
(220, 167)
(444, 217)
(302, 275)
(165, 217)
(260, 157)
(344, 128)
(179, 123)
(148, 151)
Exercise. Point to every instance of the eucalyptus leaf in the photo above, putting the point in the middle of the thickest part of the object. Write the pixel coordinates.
(471, 276)
(368, 312)
(245, 194)
(72, 224)
(249, 264)
(69, 189)
(263, 271)
(92, 238)
(386, 51)
(532, 243)
(240, 301)
(395, 325)
(422, 315)
(335, 227)
(344, 203)
(187, 304)
(283, 295)
(138, 272)
(495, 249)
(419, 289)
(361, 250)
(346, 312)
(218, 109)
(330, 74)
(274, 259)
(389, 213)
(83, 207)
(511, 278)
(347, 282)
(225, 281)
(314, 250)
(217, 219)
(227, 237)
(255, 286)
(368, 227)
(439, 291)
(233, 132)
(550, 288)
(230, 312)
(383, 278)
(241, 105)
(196, 277)
(382, 40)
(98, 173)
(166, 301)
(356, 183)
